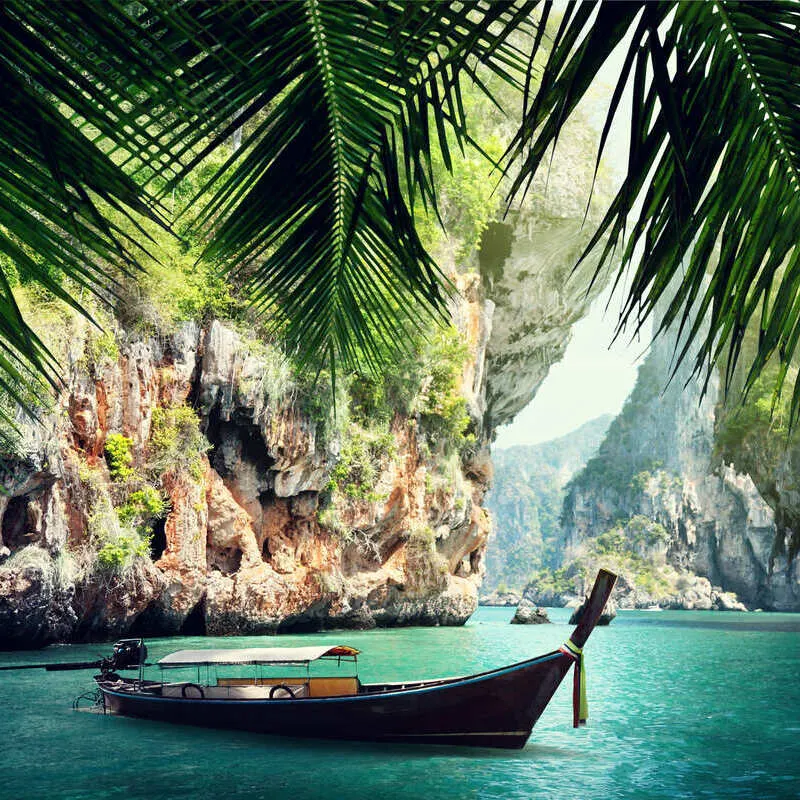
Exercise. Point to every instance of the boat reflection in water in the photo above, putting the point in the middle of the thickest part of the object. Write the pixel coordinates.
(497, 708)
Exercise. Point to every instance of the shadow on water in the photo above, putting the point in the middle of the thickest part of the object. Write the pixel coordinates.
(215, 740)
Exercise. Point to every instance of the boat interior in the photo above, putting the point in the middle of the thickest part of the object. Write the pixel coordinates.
(250, 674)
(263, 674)
(272, 688)
(265, 688)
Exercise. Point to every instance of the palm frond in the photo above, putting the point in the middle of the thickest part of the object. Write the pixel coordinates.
(343, 103)
(66, 149)
(708, 214)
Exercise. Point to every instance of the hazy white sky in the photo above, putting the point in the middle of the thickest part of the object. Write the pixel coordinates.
(591, 380)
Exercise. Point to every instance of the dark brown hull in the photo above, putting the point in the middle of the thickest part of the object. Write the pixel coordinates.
(493, 709)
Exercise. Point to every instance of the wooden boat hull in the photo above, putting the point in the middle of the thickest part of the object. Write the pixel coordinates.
(492, 709)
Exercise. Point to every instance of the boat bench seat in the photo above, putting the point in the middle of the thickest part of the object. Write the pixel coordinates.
(315, 687)
(233, 692)
(333, 687)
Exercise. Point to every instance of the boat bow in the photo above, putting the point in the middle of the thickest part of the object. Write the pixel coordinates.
(573, 647)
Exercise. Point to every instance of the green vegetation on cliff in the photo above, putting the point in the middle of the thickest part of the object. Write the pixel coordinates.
(526, 499)
(753, 432)
(176, 441)
(635, 550)
(625, 453)
(119, 457)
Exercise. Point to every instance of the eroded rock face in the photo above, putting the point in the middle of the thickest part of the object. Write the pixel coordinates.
(242, 548)
(549, 598)
(527, 265)
(658, 462)
(498, 598)
(35, 603)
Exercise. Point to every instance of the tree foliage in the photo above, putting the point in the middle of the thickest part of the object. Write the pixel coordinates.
(340, 106)
(70, 119)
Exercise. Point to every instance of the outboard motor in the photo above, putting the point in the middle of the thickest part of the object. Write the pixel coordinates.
(127, 654)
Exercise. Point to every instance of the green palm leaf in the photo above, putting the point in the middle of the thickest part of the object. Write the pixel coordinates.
(708, 214)
(343, 103)
(69, 141)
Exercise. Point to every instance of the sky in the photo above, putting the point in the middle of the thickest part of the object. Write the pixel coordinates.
(592, 379)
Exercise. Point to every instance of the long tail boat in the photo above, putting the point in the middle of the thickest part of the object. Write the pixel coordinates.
(497, 708)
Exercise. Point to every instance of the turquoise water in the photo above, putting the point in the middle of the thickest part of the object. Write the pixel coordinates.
(682, 705)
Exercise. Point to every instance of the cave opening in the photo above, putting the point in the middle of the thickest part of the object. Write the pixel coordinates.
(195, 622)
(151, 622)
(158, 539)
(213, 434)
(15, 524)
(226, 560)
(313, 621)
(254, 449)
(475, 562)
(234, 441)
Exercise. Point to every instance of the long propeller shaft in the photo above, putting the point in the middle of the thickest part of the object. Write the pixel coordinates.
(56, 667)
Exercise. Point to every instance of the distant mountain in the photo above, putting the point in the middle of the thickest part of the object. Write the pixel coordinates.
(526, 498)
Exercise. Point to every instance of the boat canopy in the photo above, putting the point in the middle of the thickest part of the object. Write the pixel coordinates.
(256, 655)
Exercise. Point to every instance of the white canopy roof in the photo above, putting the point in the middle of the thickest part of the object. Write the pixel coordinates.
(256, 655)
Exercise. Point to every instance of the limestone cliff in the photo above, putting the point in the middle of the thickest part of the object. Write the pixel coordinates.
(253, 536)
(690, 526)
(525, 503)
